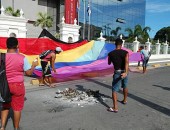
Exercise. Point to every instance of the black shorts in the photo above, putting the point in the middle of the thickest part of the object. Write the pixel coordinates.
(45, 69)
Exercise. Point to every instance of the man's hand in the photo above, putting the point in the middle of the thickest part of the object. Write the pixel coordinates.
(123, 75)
(55, 72)
(35, 62)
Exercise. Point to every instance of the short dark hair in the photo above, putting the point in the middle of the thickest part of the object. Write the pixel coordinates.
(12, 43)
(12, 35)
(118, 41)
(142, 47)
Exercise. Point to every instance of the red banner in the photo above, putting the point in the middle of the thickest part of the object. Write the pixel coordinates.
(34, 46)
(70, 11)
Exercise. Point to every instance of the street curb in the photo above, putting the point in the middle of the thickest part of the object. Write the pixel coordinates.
(156, 65)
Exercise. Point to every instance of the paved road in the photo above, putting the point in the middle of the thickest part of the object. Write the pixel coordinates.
(148, 105)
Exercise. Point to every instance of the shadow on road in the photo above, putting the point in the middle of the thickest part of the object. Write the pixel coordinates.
(165, 88)
(150, 104)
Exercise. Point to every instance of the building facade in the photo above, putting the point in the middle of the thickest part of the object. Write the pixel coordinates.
(105, 16)
(31, 8)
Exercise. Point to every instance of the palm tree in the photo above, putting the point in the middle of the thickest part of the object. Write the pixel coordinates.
(10, 11)
(44, 21)
(141, 33)
(115, 32)
(145, 33)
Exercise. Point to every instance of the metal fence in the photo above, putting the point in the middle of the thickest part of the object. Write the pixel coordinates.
(169, 50)
(152, 48)
(129, 46)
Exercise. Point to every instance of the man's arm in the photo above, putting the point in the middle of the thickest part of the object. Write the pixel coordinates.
(127, 63)
(52, 62)
(126, 66)
(142, 55)
(31, 69)
(109, 61)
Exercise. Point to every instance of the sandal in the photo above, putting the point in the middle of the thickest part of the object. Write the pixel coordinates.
(123, 102)
(112, 110)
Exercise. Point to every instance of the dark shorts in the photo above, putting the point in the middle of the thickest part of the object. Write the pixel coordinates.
(145, 61)
(45, 69)
(118, 81)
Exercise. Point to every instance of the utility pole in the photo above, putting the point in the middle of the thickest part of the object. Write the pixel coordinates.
(13, 4)
(84, 23)
(89, 14)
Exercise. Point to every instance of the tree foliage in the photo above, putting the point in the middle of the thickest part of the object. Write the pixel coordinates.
(115, 32)
(44, 21)
(141, 33)
(163, 34)
(10, 11)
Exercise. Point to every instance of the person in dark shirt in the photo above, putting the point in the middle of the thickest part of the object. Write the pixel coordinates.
(120, 60)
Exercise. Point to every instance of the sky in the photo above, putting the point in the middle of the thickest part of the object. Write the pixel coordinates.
(157, 15)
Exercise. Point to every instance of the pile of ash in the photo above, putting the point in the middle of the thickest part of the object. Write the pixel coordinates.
(80, 97)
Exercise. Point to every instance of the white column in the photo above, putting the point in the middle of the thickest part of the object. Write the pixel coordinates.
(165, 51)
(2, 11)
(11, 24)
(136, 45)
(69, 30)
(148, 44)
(121, 37)
(158, 47)
(101, 38)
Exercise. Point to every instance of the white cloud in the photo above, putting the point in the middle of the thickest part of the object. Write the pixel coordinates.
(157, 7)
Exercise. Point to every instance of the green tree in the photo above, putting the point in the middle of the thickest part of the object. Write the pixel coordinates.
(141, 33)
(10, 11)
(115, 32)
(163, 34)
(44, 21)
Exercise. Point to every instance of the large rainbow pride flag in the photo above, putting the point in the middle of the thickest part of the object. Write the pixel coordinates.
(78, 60)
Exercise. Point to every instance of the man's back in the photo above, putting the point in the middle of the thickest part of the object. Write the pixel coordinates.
(49, 56)
(15, 67)
(145, 53)
(117, 57)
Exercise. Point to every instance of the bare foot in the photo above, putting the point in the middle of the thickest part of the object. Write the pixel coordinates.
(41, 84)
(52, 86)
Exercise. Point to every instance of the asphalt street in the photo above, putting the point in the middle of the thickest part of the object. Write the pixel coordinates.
(148, 106)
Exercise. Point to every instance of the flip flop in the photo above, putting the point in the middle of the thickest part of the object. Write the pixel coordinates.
(123, 102)
(112, 110)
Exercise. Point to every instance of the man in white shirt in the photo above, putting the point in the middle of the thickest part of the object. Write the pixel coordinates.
(145, 54)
